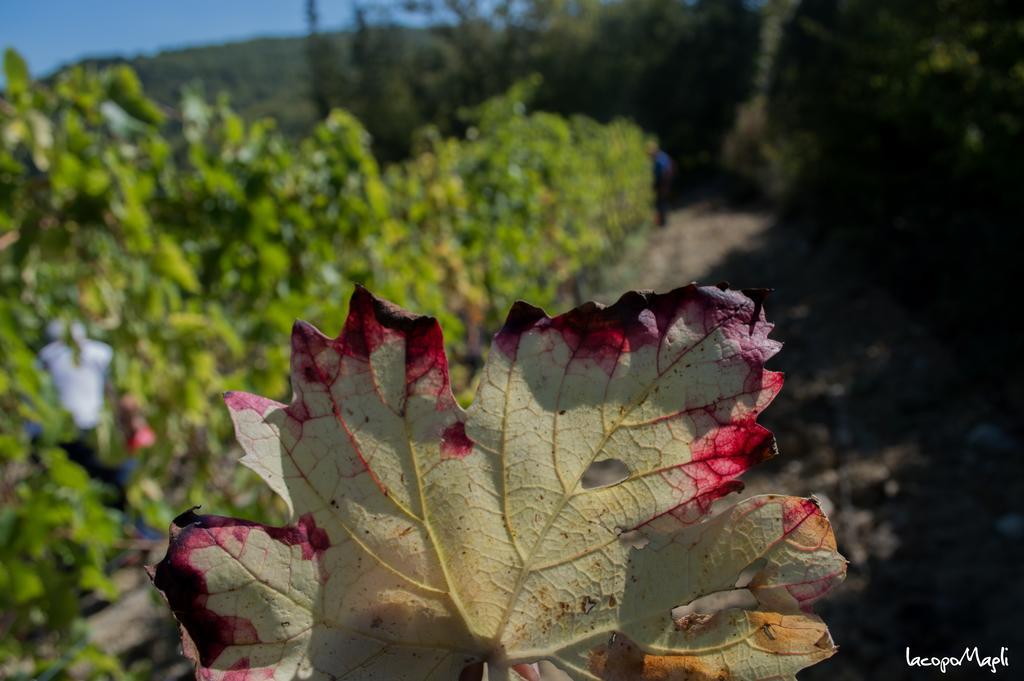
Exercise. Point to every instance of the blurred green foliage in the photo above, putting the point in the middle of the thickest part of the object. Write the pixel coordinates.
(190, 240)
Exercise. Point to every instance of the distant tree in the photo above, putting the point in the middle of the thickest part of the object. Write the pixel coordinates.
(323, 63)
(390, 63)
(679, 69)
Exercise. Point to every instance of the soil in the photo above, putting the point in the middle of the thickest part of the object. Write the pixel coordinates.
(919, 471)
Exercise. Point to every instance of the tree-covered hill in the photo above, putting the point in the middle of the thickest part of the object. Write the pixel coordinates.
(264, 77)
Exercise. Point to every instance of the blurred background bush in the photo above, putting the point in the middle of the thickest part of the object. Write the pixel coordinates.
(452, 156)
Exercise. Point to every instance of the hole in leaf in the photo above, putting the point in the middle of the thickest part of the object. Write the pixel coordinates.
(519, 672)
(472, 672)
(714, 603)
(748, 574)
(549, 672)
(604, 473)
(634, 539)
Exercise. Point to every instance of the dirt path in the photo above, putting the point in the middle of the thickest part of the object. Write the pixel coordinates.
(695, 240)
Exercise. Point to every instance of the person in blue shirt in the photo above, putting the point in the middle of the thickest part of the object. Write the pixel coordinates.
(664, 170)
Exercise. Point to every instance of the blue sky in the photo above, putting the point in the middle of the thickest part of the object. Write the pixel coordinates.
(49, 33)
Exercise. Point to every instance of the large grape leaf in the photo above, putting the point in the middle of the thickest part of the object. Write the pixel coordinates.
(428, 540)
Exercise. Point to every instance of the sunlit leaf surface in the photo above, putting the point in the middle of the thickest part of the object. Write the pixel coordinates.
(428, 539)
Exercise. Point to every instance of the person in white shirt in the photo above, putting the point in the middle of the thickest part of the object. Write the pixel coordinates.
(79, 367)
(79, 372)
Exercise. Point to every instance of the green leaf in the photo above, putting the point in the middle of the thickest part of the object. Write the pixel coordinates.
(25, 583)
(125, 90)
(68, 474)
(169, 261)
(16, 71)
